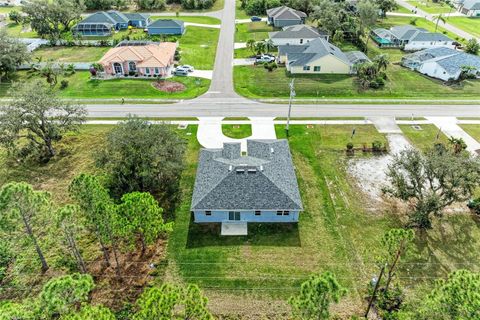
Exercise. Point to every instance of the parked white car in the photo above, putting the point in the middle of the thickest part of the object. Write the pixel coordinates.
(187, 67)
(264, 59)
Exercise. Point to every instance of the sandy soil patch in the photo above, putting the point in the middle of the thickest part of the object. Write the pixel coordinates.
(169, 86)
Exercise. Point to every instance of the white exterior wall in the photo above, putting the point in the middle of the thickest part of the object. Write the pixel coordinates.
(290, 41)
(432, 69)
(246, 215)
(328, 64)
(420, 45)
(473, 13)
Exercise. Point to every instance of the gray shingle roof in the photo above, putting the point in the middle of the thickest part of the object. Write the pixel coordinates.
(428, 54)
(430, 36)
(454, 63)
(471, 4)
(299, 31)
(288, 49)
(113, 17)
(316, 49)
(136, 16)
(285, 13)
(166, 23)
(265, 179)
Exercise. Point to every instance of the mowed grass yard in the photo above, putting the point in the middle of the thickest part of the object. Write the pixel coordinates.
(237, 131)
(193, 19)
(198, 47)
(253, 30)
(432, 7)
(70, 54)
(473, 130)
(82, 87)
(470, 25)
(257, 82)
(424, 139)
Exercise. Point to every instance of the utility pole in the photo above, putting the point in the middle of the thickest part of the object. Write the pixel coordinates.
(374, 294)
(292, 94)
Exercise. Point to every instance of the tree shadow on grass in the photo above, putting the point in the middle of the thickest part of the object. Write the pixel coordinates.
(259, 234)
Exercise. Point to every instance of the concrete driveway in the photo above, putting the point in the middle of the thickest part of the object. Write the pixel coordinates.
(210, 135)
(449, 126)
(244, 62)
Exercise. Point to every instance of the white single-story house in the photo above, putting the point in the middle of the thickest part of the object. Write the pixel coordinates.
(235, 189)
(442, 63)
(471, 8)
(296, 35)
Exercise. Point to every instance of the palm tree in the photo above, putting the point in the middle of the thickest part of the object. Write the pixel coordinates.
(458, 144)
(438, 19)
(251, 45)
(260, 47)
(382, 61)
(269, 46)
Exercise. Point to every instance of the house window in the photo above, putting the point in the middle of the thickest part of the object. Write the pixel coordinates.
(316, 68)
(157, 71)
(286, 213)
(301, 41)
(306, 68)
(279, 212)
(147, 71)
(257, 213)
(208, 213)
(132, 66)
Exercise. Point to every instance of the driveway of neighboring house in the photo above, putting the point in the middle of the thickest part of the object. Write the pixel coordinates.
(244, 62)
(449, 126)
(210, 135)
(215, 26)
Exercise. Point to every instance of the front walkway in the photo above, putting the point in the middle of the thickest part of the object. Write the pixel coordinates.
(449, 126)
(210, 135)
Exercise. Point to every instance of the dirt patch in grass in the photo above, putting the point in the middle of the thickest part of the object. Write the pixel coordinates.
(169, 86)
(136, 272)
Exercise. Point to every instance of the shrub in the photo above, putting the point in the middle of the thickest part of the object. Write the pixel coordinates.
(349, 146)
(377, 146)
(270, 66)
(131, 73)
(474, 205)
(63, 84)
(15, 16)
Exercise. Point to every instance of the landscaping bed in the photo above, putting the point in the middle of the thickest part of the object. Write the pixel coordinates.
(169, 86)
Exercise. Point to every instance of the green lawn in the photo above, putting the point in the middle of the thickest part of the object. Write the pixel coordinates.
(401, 9)
(239, 12)
(424, 139)
(8, 9)
(17, 31)
(257, 82)
(237, 131)
(252, 30)
(81, 87)
(71, 54)
(193, 19)
(473, 130)
(470, 25)
(198, 47)
(432, 7)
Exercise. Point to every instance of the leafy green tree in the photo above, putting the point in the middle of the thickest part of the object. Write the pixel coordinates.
(99, 211)
(432, 181)
(251, 45)
(316, 295)
(63, 295)
(367, 16)
(104, 4)
(386, 6)
(89, 312)
(472, 46)
(456, 298)
(144, 157)
(382, 61)
(49, 70)
(20, 207)
(12, 54)
(140, 216)
(172, 302)
(15, 16)
(260, 47)
(150, 4)
(5, 258)
(28, 118)
(50, 19)
(328, 14)
(16, 311)
(68, 221)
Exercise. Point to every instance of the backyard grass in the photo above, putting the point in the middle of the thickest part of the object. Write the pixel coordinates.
(81, 87)
(198, 47)
(70, 54)
(473, 130)
(470, 25)
(257, 82)
(432, 7)
(193, 19)
(424, 139)
(19, 31)
(252, 30)
(237, 131)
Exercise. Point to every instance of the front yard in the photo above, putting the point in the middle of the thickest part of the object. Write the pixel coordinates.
(257, 82)
(425, 138)
(253, 30)
(432, 7)
(81, 87)
(473, 130)
(70, 54)
(470, 25)
(198, 47)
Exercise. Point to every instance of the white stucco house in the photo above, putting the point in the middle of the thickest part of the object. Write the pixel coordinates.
(471, 8)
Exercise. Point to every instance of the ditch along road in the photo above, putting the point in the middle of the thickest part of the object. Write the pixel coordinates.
(221, 100)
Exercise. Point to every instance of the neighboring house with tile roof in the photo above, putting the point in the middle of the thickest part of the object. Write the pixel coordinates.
(149, 60)
(471, 8)
(103, 23)
(296, 35)
(318, 56)
(442, 63)
(166, 27)
(410, 38)
(258, 187)
(284, 16)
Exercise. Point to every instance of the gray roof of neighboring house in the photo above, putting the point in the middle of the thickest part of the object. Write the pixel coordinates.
(430, 36)
(113, 17)
(471, 4)
(405, 32)
(356, 57)
(452, 64)
(136, 16)
(286, 49)
(166, 23)
(299, 31)
(263, 180)
(285, 13)
(316, 49)
(410, 33)
(429, 54)
(382, 33)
